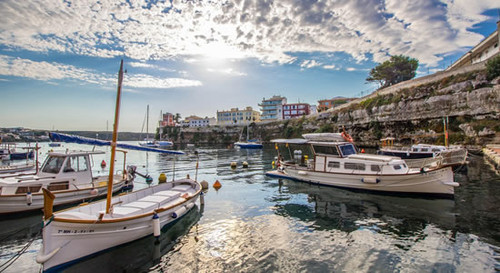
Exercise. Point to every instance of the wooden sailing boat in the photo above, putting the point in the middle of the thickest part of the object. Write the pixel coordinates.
(76, 233)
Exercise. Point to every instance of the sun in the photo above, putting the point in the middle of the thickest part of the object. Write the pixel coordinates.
(219, 52)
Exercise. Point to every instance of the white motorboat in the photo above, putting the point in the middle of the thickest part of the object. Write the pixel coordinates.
(337, 163)
(67, 175)
(420, 155)
(73, 234)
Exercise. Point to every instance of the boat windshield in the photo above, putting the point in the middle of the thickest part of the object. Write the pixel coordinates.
(53, 164)
(347, 149)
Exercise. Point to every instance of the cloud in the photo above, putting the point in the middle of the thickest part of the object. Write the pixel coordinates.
(227, 71)
(330, 66)
(309, 64)
(45, 71)
(266, 30)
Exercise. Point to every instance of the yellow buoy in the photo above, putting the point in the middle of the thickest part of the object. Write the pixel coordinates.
(233, 164)
(162, 178)
(245, 164)
(217, 185)
(273, 163)
(204, 184)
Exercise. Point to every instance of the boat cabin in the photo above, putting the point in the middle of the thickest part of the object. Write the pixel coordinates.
(60, 171)
(335, 157)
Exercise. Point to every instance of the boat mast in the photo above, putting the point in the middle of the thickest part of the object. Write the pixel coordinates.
(115, 136)
(147, 124)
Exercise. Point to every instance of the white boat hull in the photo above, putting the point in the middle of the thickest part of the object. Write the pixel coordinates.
(67, 241)
(438, 181)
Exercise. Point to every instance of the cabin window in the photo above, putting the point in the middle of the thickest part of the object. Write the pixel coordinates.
(347, 149)
(333, 164)
(76, 164)
(397, 167)
(375, 168)
(58, 186)
(329, 150)
(414, 150)
(53, 164)
(436, 150)
(425, 149)
(354, 166)
(26, 189)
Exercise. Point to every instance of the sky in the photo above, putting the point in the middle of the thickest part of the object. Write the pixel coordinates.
(59, 60)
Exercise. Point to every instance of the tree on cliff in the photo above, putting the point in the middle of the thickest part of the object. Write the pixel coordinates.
(398, 69)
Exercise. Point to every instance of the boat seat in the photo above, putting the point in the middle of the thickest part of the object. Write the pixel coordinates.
(182, 188)
(76, 215)
(124, 211)
(141, 205)
(166, 193)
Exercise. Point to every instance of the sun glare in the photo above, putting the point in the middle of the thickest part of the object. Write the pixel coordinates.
(219, 52)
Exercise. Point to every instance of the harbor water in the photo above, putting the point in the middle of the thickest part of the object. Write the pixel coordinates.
(255, 223)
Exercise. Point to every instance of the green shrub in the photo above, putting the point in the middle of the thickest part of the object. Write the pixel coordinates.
(493, 67)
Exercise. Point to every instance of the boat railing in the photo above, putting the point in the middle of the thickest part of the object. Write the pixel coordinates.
(452, 157)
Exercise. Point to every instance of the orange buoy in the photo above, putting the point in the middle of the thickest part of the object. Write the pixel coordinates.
(217, 185)
(103, 164)
(362, 151)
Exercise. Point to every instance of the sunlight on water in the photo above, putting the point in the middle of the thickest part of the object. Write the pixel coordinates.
(254, 223)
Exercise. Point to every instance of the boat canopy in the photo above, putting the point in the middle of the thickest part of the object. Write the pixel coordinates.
(90, 141)
(290, 141)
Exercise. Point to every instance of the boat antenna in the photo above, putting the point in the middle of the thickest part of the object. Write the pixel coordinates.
(115, 136)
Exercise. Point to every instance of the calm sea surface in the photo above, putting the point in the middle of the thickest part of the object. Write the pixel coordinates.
(259, 224)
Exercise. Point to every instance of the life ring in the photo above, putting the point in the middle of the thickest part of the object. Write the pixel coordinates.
(347, 137)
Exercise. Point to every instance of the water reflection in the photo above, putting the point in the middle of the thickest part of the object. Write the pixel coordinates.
(145, 254)
(329, 208)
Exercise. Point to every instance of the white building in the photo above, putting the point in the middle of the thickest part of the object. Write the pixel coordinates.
(272, 109)
(195, 121)
(486, 49)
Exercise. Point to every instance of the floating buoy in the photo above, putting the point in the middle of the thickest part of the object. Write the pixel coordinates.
(162, 178)
(362, 151)
(29, 198)
(273, 164)
(217, 185)
(233, 165)
(204, 184)
(103, 164)
(149, 179)
(245, 164)
(156, 225)
(187, 176)
(94, 192)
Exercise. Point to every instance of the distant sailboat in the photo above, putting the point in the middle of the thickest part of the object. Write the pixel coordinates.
(249, 143)
(148, 142)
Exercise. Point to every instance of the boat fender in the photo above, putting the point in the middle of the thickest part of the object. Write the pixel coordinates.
(94, 192)
(202, 199)
(179, 212)
(103, 164)
(370, 180)
(422, 170)
(29, 198)
(156, 225)
(302, 173)
(245, 164)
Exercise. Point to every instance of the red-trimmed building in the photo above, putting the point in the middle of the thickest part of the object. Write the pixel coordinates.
(294, 110)
(167, 120)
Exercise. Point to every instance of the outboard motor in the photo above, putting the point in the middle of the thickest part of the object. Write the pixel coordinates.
(131, 171)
